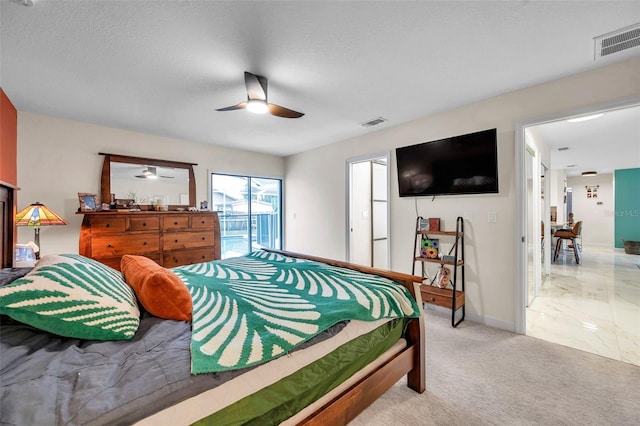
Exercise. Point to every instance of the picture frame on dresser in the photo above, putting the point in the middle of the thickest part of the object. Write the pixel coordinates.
(88, 202)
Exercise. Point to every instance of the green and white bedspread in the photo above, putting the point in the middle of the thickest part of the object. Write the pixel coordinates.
(251, 309)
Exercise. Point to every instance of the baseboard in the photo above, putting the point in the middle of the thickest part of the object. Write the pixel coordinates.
(480, 319)
(491, 322)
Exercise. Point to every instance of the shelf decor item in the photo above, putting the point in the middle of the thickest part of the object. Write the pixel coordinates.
(423, 224)
(429, 248)
(434, 224)
(443, 277)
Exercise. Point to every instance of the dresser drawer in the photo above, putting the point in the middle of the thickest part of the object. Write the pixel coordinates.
(172, 223)
(199, 222)
(441, 296)
(118, 245)
(114, 262)
(144, 223)
(107, 225)
(187, 257)
(181, 240)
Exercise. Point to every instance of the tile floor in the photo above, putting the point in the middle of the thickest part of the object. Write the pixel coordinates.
(593, 306)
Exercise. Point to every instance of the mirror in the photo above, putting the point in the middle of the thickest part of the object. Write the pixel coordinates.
(148, 182)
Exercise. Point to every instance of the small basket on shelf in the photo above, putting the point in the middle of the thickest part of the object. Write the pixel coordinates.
(631, 247)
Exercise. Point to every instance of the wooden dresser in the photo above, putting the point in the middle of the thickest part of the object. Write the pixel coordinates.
(169, 238)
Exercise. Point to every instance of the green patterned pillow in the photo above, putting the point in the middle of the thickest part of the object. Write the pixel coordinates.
(73, 296)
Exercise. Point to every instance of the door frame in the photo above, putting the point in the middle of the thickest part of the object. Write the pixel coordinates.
(348, 163)
(520, 325)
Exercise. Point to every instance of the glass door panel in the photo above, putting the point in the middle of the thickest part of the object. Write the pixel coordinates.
(249, 210)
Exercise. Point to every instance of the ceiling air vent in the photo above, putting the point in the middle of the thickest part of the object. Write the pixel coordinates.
(617, 41)
(373, 122)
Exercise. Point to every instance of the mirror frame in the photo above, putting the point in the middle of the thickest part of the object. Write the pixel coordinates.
(105, 180)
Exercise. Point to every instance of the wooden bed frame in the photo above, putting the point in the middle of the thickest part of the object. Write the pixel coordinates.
(410, 361)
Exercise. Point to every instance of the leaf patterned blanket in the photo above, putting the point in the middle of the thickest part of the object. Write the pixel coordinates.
(251, 309)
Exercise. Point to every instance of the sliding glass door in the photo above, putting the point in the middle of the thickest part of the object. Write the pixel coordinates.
(250, 212)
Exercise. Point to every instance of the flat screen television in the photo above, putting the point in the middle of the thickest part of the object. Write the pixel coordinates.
(465, 164)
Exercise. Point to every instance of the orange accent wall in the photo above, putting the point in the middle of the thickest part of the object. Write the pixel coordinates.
(8, 140)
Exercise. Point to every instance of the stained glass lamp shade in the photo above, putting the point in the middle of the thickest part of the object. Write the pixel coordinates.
(37, 215)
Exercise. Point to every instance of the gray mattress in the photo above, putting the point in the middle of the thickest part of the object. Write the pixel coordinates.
(51, 380)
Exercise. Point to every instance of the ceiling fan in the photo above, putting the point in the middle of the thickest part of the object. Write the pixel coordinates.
(151, 173)
(257, 99)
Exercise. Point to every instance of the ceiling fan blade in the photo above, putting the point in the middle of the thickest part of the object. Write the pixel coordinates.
(256, 86)
(241, 105)
(279, 111)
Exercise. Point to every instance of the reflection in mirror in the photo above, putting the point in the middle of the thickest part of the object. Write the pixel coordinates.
(149, 183)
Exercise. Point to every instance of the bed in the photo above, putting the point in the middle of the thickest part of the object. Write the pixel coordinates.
(144, 373)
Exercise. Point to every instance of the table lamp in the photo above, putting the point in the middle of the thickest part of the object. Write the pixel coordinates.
(37, 215)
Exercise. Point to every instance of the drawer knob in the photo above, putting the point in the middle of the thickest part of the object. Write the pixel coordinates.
(144, 244)
(109, 245)
(176, 241)
(203, 256)
(144, 223)
(433, 299)
(203, 238)
(175, 223)
(108, 225)
(202, 222)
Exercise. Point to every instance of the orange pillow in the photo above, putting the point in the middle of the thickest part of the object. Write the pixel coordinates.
(158, 289)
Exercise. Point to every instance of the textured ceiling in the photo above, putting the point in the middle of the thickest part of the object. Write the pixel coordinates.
(163, 67)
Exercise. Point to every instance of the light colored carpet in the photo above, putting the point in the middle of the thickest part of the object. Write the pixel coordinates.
(477, 375)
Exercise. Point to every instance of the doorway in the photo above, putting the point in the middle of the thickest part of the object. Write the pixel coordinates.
(368, 211)
(565, 276)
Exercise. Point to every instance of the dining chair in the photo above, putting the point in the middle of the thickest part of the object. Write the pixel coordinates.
(571, 235)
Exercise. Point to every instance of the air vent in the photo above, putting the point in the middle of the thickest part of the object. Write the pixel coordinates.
(617, 41)
(564, 148)
(373, 122)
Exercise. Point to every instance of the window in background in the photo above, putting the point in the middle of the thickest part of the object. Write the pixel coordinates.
(250, 212)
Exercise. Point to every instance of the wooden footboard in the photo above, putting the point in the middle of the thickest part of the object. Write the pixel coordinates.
(411, 361)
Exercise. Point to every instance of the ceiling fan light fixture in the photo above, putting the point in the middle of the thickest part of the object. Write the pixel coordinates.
(148, 174)
(590, 173)
(257, 106)
(585, 118)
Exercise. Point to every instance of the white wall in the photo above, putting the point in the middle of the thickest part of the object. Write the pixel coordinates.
(58, 158)
(557, 194)
(315, 184)
(596, 214)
